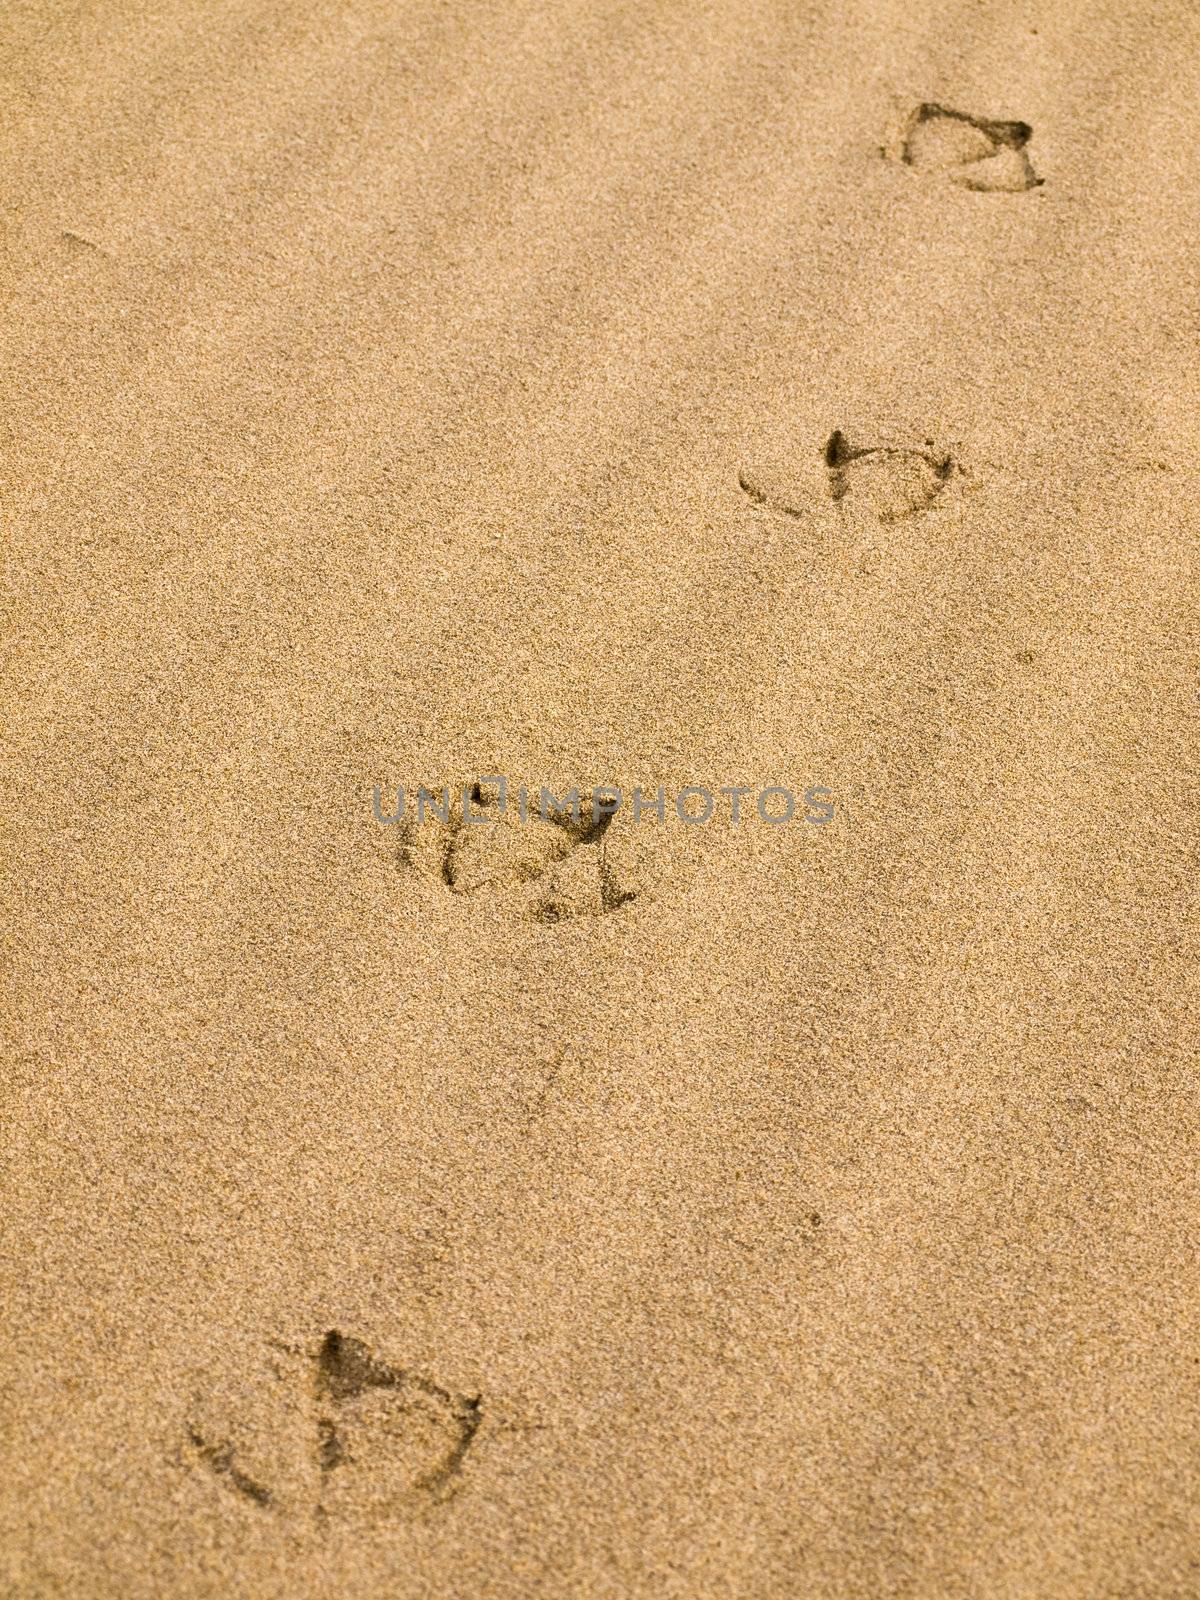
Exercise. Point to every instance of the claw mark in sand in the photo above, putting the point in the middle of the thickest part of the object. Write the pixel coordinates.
(80, 247)
(762, 497)
(219, 1458)
(976, 153)
(551, 1079)
(330, 1451)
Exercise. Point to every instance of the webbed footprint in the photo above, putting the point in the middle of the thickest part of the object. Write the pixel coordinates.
(339, 1433)
(886, 481)
(496, 849)
(385, 1434)
(892, 482)
(585, 884)
(978, 153)
(548, 864)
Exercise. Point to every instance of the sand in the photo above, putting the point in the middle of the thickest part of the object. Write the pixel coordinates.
(756, 394)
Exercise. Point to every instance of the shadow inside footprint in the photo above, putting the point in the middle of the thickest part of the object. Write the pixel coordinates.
(889, 481)
(973, 152)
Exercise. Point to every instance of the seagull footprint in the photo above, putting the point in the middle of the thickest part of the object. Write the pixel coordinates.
(891, 482)
(973, 152)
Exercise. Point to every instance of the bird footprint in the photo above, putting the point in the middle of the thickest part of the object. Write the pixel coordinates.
(371, 1437)
(890, 482)
(550, 867)
(973, 152)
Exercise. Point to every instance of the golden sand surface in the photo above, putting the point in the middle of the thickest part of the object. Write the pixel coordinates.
(678, 393)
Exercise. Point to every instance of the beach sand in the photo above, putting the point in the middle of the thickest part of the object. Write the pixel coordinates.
(757, 394)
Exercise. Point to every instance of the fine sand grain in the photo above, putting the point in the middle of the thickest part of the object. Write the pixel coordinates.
(753, 393)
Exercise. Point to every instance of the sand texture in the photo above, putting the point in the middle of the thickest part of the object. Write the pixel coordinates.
(755, 393)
